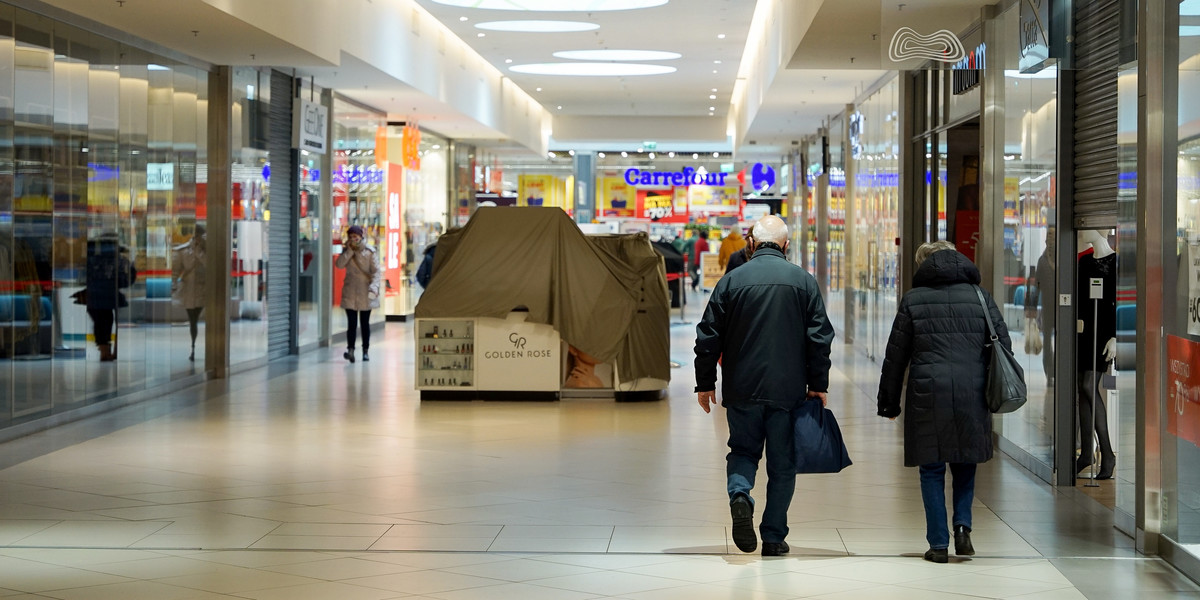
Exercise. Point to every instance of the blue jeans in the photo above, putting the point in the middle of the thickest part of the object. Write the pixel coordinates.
(750, 429)
(933, 493)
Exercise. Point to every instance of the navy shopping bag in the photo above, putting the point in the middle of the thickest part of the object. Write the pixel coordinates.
(819, 445)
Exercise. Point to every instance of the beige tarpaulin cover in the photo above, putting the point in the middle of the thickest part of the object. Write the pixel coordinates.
(606, 297)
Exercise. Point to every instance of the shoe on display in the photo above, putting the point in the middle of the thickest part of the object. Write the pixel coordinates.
(743, 523)
(937, 555)
(775, 548)
(348, 355)
(962, 541)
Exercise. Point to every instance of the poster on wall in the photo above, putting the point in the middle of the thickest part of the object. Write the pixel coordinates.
(659, 205)
(1183, 388)
(1193, 275)
(614, 199)
(535, 190)
(394, 236)
(713, 199)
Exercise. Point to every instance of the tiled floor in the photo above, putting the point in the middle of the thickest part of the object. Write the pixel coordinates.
(313, 478)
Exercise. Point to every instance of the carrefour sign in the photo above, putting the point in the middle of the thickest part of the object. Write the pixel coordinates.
(688, 176)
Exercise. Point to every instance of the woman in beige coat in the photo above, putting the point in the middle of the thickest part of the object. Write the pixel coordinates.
(187, 281)
(360, 289)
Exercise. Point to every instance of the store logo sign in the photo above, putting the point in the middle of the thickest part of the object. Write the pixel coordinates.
(518, 340)
(1035, 35)
(357, 174)
(688, 176)
(311, 119)
(941, 46)
(160, 176)
(762, 177)
(965, 74)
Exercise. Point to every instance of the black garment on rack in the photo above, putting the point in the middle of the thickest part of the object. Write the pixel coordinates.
(1102, 317)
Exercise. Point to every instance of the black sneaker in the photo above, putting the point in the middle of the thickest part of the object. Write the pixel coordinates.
(366, 357)
(348, 355)
(939, 555)
(775, 548)
(962, 541)
(743, 524)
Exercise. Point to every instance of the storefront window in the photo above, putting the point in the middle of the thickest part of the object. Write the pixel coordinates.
(1182, 319)
(426, 214)
(359, 188)
(1028, 292)
(250, 215)
(100, 145)
(310, 310)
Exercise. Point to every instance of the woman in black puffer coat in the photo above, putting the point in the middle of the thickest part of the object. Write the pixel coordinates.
(941, 337)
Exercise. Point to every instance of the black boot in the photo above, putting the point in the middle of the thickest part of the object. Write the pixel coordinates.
(962, 541)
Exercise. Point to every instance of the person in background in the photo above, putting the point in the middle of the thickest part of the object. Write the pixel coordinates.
(738, 259)
(700, 248)
(108, 271)
(734, 242)
(768, 322)
(360, 289)
(188, 280)
(939, 338)
(425, 271)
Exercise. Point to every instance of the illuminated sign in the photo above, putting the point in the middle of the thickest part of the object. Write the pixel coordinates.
(357, 174)
(965, 73)
(160, 176)
(688, 176)
(311, 126)
(762, 177)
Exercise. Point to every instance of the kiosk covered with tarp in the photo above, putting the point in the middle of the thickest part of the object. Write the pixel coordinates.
(605, 296)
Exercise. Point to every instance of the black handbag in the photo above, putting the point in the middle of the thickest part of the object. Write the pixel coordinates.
(1005, 390)
(818, 440)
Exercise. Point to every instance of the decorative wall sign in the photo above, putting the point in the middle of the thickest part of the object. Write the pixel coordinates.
(942, 46)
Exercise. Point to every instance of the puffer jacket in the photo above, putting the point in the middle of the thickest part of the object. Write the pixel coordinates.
(766, 321)
(360, 288)
(940, 336)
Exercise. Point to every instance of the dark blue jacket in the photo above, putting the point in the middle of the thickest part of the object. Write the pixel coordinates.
(107, 272)
(766, 321)
(425, 271)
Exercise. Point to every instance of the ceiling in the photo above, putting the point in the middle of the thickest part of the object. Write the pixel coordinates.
(839, 55)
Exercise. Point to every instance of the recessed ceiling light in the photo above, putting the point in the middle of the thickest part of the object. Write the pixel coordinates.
(539, 89)
(538, 26)
(554, 5)
(617, 55)
(462, 18)
(652, 156)
(716, 154)
(712, 96)
(624, 155)
(437, 146)
(695, 156)
(591, 69)
(481, 35)
(508, 61)
(720, 36)
(671, 154)
(716, 62)
(552, 155)
(559, 107)
(571, 152)
(714, 89)
(714, 71)
(712, 108)
(601, 155)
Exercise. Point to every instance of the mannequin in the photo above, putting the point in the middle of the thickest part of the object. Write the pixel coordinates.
(188, 281)
(1096, 344)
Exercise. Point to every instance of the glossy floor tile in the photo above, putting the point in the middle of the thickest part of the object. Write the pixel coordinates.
(316, 478)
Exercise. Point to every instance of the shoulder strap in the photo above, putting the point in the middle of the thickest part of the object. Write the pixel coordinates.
(987, 314)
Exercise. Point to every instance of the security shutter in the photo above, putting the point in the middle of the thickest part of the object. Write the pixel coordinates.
(1097, 50)
(280, 240)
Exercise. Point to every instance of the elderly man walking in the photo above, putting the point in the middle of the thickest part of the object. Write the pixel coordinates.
(766, 321)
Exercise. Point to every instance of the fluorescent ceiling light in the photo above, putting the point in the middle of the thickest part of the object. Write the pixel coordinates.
(590, 69)
(538, 26)
(1047, 73)
(616, 55)
(554, 5)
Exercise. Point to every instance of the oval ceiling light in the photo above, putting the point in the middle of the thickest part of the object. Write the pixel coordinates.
(617, 55)
(592, 69)
(554, 5)
(538, 26)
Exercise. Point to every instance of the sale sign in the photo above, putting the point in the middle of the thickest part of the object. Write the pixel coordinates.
(1183, 389)
(659, 205)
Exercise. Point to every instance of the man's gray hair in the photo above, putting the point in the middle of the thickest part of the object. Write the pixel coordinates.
(928, 249)
(770, 229)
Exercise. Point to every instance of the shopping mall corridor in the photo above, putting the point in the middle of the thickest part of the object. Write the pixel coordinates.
(314, 478)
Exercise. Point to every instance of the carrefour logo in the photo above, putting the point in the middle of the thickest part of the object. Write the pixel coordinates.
(762, 176)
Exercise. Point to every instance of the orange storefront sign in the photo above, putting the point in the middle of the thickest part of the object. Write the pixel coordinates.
(1183, 388)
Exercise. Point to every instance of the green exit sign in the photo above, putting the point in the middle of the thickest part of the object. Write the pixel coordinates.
(650, 145)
